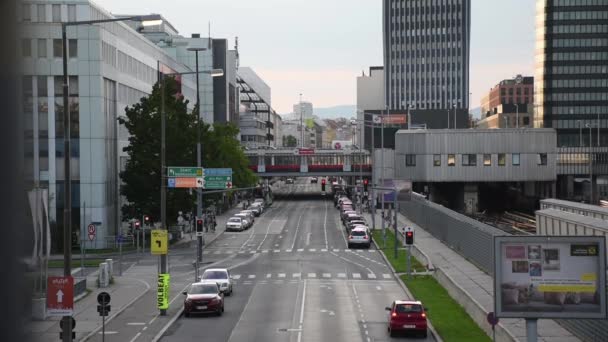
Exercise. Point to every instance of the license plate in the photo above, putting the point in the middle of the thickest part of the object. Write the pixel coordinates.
(409, 326)
(201, 308)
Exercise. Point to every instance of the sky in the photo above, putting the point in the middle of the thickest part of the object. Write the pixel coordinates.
(317, 48)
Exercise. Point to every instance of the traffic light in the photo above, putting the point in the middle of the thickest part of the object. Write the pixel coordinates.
(409, 238)
(146, 219)
(61, 326)
(365, 182)
(137, 225)
(322, 184)
(199, 225)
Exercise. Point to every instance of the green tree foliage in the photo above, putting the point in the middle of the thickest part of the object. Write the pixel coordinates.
(290, 141)
(142, 175)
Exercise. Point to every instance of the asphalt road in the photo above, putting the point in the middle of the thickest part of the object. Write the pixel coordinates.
(295, 279)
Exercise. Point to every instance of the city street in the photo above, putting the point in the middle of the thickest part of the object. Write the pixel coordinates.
(295, 279)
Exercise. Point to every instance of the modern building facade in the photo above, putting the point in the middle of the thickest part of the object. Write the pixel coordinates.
(511, 96)
(570, 88)
(426, 57)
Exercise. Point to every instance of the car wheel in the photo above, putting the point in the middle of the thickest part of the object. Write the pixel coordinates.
(425, 333)
(186, 314)
(392, 333)
(349, 246)
(219, 312)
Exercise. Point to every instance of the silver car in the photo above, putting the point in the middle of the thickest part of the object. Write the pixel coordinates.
(222, 277)
(235, 223)
(246, 219)
(250, 213)
(359, 237)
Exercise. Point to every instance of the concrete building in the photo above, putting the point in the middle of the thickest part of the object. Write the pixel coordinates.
(501, 106)
(111, 66)
(570, 89)
(466, 169)
(305, 109)
(426, 58)
(370, 97)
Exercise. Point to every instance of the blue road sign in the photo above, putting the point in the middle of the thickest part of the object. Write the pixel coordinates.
(171, 182)
(218, 172)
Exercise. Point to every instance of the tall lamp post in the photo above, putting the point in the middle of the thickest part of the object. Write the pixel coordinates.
(163, 144)
(146, 20)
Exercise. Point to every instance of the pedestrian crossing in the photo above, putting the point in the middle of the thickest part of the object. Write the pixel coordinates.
(215, 251)
(248, 278)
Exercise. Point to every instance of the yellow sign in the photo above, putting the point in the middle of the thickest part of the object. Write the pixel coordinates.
(159, 241)
(162, 292)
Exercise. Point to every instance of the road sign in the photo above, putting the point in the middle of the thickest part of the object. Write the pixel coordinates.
(92, 231)
(60, 296)
(217, 182)
(306, 151)
(218, 172)
(185, 172)
(200, 182)
(159, 241)
(182, 182)
(162, 292)
(103, 298)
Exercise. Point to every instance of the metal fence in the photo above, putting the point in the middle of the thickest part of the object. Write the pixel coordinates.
(475, 241)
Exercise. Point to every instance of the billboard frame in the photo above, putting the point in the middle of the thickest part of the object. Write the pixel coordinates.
(601, 281)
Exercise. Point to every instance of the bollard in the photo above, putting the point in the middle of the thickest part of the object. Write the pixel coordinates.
(103, 278)
(110, 267)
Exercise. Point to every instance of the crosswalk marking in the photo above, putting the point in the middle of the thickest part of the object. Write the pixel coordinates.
(296, 275)
(229, 252)
(371, 276)
(336, 250)
(324, 250)
(386, 276)
(236, 276)
(241, 252)
(277, 250)
(217, 252)
(312, 250)
(371, 250)
(300, 249)
(252, 276)
(356, 275)
(341, 275)
(326, 275)
(265, 251)
(252, 252)
(281, 275)
(268, 275)
(288, 250)
(312, 275)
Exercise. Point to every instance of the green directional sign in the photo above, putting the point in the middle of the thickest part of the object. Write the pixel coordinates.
(173, 171)
(218, 182)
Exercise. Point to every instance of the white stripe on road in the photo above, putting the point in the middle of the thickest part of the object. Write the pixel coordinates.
(326, 275)
(312, 275)
(277, 250)
(312, 250)
(268, 275)
(324, 250)
(288, 250)
(206, 252)
(371, 276)
(357, 275)
(386, 276)
(217, 252)
(251, 276)
(341, 275)
(296, 275)
(300, 249)
(281, 275)
(336, 250)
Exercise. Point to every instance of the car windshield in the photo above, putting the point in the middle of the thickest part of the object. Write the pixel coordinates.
(215, 275)
(235, 220)
(203, 289)
(358, 233)
(408, 308)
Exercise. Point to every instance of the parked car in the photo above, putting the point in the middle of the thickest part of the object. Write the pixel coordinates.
(407, 316)
(346, 212)
(359, 237)
(250, 213)
(235, 224)
(353, 223)
(352, 217)
(203, 297)
(246, 219)
(256, 208)
(222, 277)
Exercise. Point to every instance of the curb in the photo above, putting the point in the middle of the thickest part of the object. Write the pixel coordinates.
(407, 291)
(168, 325)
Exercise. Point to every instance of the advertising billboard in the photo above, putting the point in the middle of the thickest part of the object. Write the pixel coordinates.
(550, 276)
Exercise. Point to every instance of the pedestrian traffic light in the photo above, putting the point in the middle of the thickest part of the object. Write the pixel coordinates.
(409, 238)
(365, 182)
(199, 225)
(137, 225)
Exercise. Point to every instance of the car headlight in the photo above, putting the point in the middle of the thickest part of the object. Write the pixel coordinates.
(215, 301)
(225, 284)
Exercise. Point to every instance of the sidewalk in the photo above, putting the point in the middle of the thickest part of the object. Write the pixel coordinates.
(465, 278)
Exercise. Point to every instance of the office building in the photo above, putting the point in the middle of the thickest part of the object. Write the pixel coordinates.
(570, 91)
(508, 101)
(426, 59)
(305, 109)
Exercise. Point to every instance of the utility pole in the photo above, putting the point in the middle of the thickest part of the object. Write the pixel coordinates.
(301, 123)
(163, 185)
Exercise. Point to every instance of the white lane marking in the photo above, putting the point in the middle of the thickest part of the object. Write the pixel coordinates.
(336, 250)
(341, 275)
(217, 252)
(281, 275)
(133, 339)
(324, 250)
(288, 250)
(268, 275)
(326, 275)
(236, 276)
(251, 276)
(308, 239)
(325, 225)
(252, 252)
(371, 250)
(312, 250)
(247, 282)
(136, 323)
(296, 275)
(302, 312)
(312, 275)
(379, 288)
(277, 250)
(300, 249)
(386, 276)
(265, 251)
(276, 245)
(371, 276)
(357, 275)
(295, 236)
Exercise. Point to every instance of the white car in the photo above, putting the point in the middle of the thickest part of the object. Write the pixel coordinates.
(222, 277)
(235, 223)
(250, 213)
(359, 237)
(246, 219)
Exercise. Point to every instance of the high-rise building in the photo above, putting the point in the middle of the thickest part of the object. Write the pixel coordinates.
(572, 68)
(426, 58)
(303, 108)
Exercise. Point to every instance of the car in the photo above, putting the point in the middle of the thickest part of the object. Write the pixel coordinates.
(359, 237)
(250, 213)
(352, 217)
(346, 212)
(407, 316)
(235, 223)
(289, 181)
(256, 208)
(314, 180)
(222, 277)
(246, 219)
(353, 223)
(203, 297)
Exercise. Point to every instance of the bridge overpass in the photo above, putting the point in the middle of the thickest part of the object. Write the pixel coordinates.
(303, 162)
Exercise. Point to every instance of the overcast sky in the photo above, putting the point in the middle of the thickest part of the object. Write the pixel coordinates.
(319, 47)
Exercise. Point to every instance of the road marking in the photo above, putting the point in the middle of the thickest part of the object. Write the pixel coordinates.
(247, 282)
(326, 275)
(324, 250)
(241, 252)
(295, 236)
(341, 275)
(379, 288)
(300, 249)
(325, 225)
(308, 239)
(268, 275)
(217, 252)
(336, 250)
(312, 275)
(276, 245)
(133, 339)
(229, 252)
(281, 275)
(386, 276)
(288, 250)
(302, 311)
(277, 250)
(136, 323)
(236, 276)
(296, 275)
(357, 275)
(371, 276)
(252, 252)
(251, 276)
(312, 250)
(265, 251)
(371, 250)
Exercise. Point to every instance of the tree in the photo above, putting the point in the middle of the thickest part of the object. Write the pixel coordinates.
(290, 141)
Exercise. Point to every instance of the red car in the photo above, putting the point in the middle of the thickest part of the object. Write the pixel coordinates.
(407, 316)
(203, 297)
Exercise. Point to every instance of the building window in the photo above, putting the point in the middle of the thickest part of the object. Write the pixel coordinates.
(56, 13)
(542, 159)
(515, 159)
(73, 48)
(487, 160)
(41, 13)
(26, 13)
(502, 159)
(410, 160)
(71, 12)
(26, 48)
(451, 160)
(437, 160)
(526, 121)
(469, 160)
(57, 48)
(42, 48)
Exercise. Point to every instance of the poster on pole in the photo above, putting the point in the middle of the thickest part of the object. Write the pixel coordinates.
(550, 277)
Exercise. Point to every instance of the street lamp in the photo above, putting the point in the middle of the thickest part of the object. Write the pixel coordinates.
(146, 20)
